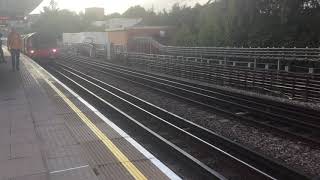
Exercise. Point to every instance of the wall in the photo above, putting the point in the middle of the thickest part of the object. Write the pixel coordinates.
(76, 38)
(118, 37)
(152, 32)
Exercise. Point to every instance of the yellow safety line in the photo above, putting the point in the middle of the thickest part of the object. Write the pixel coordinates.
(133, 170)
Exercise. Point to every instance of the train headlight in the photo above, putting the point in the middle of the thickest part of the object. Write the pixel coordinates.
(54, 50)
(32, 51)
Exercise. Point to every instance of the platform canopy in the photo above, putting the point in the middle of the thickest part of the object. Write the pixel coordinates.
(17, 8)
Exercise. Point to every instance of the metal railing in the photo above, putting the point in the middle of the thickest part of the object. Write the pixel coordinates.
(143, 44)
(298, 86)
(296, 59)
(273, 77)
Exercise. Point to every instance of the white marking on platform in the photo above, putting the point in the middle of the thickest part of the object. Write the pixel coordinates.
(70, 169)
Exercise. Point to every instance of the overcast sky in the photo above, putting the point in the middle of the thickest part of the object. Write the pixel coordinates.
(112, 6)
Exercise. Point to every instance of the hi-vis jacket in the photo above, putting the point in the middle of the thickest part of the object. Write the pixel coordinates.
(14, 41)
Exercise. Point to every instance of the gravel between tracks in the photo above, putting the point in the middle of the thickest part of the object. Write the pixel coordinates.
(290, 151)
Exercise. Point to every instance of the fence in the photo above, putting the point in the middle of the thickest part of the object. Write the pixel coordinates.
(298, 86)
(297, 59)
(272, 76)
(86, 49)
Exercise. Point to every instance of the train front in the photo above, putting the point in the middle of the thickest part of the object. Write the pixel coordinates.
(43, 47)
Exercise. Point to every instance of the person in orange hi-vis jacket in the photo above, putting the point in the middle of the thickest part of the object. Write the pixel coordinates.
(14, 46)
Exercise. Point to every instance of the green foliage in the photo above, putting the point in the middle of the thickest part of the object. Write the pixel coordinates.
(148, 16)
(135, 12)
(249, 23)
(185, 37)
(55, 22)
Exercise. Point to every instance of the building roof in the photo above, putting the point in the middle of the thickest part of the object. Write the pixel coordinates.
(14, 8)
(138, 27)
(115, 23)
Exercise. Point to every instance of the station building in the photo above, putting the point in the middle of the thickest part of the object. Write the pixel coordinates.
(121, 37)
(13, 12)
(121, 30)
(118, 33)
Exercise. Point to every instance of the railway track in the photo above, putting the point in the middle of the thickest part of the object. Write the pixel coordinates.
(298, 86)
(207, 153)
(292, 120)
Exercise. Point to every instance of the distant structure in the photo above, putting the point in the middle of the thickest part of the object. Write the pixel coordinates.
(119, 32)
(121, 37)
(15, 9)
(95, 13)
(122, 23)
(118, 23)
(13, 12)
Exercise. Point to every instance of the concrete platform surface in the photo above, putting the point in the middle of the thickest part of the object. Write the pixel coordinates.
(49, 132)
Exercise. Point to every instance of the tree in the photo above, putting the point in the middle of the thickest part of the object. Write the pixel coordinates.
(135, 12)
(55, 22)
(250, 23)
(185, 37)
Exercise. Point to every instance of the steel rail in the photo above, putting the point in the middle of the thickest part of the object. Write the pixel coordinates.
(283, 81)
(276, 120)
(288, 109)
(300, 86)
(136, 125)
(201, 134)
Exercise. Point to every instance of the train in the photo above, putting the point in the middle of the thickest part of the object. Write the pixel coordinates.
(40, 47)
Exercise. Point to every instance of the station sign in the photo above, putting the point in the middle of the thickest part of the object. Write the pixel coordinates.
(2, 18)
(6, 20)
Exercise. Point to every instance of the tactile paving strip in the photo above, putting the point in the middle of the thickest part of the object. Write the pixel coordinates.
(63, 151)
(74, 134)
(113, 172)
(72, 119)
(83, 133)
(98, 154)
(65, 163)
(56, 135)
(63, 108)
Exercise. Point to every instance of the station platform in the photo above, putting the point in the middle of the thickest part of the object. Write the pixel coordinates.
(48, 132)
